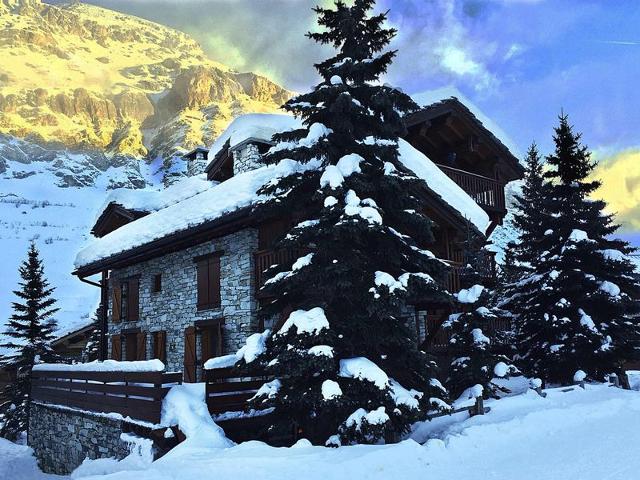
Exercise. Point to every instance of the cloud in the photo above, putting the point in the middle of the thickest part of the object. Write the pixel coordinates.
(620, 176)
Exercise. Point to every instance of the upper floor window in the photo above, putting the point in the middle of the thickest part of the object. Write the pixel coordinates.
(126, 301)
(208, 279)
(157, 283)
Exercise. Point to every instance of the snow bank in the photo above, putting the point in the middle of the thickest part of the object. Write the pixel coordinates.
(443, 186)
(106, 366)
(361, 368)
(185, 407)
(219, 199)
(587, 434)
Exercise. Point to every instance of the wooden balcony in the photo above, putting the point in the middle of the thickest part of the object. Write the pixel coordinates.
(265, 259)
(487, 192)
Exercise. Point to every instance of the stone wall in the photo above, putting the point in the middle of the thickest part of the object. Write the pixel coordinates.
(63, 438)
(245, 158)
(175, 307)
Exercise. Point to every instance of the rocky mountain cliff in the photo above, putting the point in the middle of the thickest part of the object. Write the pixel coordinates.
(81, 78)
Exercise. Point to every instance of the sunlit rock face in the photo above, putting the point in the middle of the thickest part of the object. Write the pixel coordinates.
(92, 79)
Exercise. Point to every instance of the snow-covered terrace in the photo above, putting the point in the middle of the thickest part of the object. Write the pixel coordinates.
(192, 203)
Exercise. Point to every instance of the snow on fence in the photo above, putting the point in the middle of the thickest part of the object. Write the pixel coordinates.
(134, 394)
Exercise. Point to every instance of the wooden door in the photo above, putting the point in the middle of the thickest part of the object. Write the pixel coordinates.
(190, 356)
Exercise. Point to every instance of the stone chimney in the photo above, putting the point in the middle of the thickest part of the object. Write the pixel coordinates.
(246, 157)
(196, 161)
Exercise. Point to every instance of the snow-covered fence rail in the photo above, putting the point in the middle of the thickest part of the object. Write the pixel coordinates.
(137, 395)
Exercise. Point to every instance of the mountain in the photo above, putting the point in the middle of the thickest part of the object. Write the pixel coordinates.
(92, 100)
(84, 77)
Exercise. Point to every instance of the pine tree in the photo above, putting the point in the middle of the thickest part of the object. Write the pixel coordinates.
(346, 367)
(479, 361)
(29, 334)
(576, 312)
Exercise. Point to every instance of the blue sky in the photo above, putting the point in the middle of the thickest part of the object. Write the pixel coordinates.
(520, 61)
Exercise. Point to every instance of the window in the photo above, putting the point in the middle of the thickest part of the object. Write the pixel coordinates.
(157, 283)
(125, 302)
(208, 278)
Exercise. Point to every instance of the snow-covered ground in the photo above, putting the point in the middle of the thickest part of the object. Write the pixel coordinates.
(587, 434)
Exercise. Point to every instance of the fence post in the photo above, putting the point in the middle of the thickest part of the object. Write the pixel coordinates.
(478, 408)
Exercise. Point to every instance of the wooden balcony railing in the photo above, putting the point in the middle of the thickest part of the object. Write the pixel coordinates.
(487, 192)
(268, 258)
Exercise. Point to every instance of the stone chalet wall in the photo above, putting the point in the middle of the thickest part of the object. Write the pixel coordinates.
(62, 438)
(175, 307)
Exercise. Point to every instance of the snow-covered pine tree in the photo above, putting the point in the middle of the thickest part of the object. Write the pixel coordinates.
(345, 364)
(477, 361)
(28, 336)
(530, 220)
(577, 314)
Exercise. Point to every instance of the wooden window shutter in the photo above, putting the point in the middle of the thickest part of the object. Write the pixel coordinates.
(219, 340)
(116, 347)
(205, 342)
(160, 345)
(190, 355)
(133, 300)
(203, 284)
(116, 296)
(214, 281)
(141, 347)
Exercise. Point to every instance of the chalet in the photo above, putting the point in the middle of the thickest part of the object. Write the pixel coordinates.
(180, 270)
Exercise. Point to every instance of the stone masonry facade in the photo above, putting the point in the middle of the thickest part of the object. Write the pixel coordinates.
(246, 157)
(62, 438)
(174, 308)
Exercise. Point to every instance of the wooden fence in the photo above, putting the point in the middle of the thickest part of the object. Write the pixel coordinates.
(228, 392)
(137, 395)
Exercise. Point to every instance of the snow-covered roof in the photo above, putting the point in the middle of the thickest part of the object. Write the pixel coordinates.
(255, 126)
(195, 209)
(153, 200)
(194, 201)
(442, 185)
(431, 97)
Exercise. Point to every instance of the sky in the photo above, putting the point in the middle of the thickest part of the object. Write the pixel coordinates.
(520, 61)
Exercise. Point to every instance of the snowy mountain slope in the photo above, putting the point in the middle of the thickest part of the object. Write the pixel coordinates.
(52, 196)
(588, 434)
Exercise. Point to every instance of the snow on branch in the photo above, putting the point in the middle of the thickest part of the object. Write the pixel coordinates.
(361, 368)
(306, 321)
